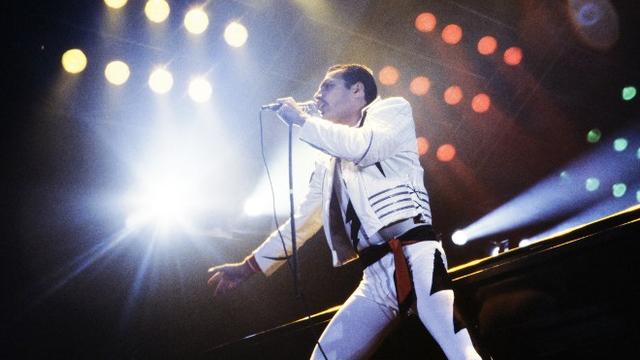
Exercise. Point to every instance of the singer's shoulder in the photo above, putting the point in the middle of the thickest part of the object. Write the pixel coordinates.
(390, 102)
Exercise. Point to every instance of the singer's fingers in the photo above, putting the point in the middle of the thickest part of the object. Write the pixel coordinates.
(222, 287)
(288, 101)
(215, 279)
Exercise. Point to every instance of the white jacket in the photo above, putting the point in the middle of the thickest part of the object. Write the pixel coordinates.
(382, 173)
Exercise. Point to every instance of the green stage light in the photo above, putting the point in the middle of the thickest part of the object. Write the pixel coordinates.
(620, 144)
(594, 136)
(619, 189)
(629, 92)
(592, 184)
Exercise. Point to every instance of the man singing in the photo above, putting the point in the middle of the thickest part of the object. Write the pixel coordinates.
(368, 193)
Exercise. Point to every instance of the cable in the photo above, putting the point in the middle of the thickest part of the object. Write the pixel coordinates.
(293, 268)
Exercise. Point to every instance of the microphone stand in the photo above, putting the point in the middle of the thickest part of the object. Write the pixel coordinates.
(294, 248)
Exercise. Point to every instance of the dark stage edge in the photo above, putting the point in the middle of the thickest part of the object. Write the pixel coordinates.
(572, 295)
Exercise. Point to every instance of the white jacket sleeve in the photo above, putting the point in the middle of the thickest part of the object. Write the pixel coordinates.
(270, 255)
(387, 126)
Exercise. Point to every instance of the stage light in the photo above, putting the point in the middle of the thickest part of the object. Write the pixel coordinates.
(452, 34)
(525, 242)
(619, 190)
(487, 45)
(196, 21)
(157, 10)
(638, 196)
(629, 92)
(592, 184)
(481, 103)
(160, 81)
(235, 34)
(74, 61)
(595, 22)
(420, 86)
(638, 154)
(199, 90)
(494, 250)
(254, 206)
(115, 4)
(425, 22)
(460, 237)
(594, 135)
(389, 75)
(117, 72)
(423, 145)
(163, 200)
(620, 144)
(446, 153)
(453, 95)
(513, 56)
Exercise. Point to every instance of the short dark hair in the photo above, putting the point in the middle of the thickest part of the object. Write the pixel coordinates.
(353, 73)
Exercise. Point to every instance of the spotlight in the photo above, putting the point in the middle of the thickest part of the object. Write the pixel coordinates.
(115, 4)
(160, 81)
(157, 10)
(74, 61)
(423, 145)
(487, 45)
(235, 34)
(620, 144)
(420, 86)
(592, 184)
(594, 136)
(425, 22)
(452, 34)
(629, 92)
(481, 103)
(513, 56)
(453, 95)
(460, 237)
(196, 21)
(525, 242)
(117, 72)
(446, 153)
(200, 90)
(619, 189)
(389, 75)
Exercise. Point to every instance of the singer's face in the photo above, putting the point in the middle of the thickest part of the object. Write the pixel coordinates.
(335, 101)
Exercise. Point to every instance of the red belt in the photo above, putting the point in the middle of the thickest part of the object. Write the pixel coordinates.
(374, 253)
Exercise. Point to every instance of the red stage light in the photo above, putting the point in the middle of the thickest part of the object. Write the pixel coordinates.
(426, 22)
(446, 152)
(420, 86)
(481, 103)
(513, 56)
(487, 45)
(389, 75)
(452, 34)
(423, 145)
(453, 95)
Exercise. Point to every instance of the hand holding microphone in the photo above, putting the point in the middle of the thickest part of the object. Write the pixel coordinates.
(292, 112)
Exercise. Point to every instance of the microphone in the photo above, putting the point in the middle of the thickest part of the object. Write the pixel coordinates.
(309, 107)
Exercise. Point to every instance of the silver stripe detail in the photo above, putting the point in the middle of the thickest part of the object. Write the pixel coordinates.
(384, 191)
(393, 203)
(389, 197)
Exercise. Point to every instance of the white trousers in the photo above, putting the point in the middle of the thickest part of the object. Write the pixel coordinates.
(371, 312)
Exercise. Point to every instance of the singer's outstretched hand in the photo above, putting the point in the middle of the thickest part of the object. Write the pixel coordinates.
(290, 112)
(228, 276)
